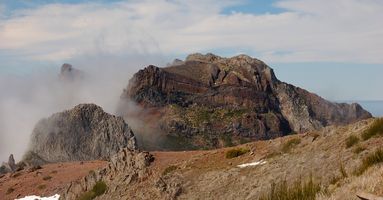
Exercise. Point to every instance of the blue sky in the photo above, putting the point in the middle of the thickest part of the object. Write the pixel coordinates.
(332, 49)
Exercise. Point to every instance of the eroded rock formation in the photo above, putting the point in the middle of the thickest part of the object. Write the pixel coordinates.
(210, 101)
(125, 168)
(85, 132)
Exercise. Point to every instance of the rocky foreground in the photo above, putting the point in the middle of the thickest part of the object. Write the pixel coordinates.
(327, 156)
(208, 101)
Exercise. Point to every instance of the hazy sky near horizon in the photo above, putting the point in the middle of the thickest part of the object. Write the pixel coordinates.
(331, 47)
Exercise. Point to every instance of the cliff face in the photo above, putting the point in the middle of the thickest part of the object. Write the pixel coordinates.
(214, 101)
(85, 132)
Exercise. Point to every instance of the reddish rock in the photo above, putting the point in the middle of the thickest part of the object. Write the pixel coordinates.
(213, 92)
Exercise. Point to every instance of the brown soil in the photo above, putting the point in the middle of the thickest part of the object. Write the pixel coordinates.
(210, 175)
(47, 181)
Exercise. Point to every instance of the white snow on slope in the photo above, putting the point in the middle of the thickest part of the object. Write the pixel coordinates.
(261, 162)
(54, 197)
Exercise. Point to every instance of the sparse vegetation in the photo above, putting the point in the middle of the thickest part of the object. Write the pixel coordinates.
(87, 196)
(54, 172)
(46, 178)
(351, 141)
(41, 187)
(236, 152)
(290, 144)
(273, 154)
(358, 149)
(243, 140)
(372, 159)
(342, 170)
(10, 190)
(169, 169)
(375, 129)
(98, 189)
(227, 141)
(197, 115)
(17, 174)
(299, 190)
(335, 179)
(343, 174)
(92, 172)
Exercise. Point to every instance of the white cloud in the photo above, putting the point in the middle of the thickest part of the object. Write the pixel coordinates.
(309, 30)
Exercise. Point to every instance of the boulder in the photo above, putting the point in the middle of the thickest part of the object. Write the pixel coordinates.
(85, 132)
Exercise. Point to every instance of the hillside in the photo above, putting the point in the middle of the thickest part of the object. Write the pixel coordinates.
(325, 155)
(209, 101)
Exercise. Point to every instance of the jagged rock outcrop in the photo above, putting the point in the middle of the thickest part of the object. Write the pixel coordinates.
(126, 168)
(69, 73)
(9, 166)
(85, 132)
(214, 101)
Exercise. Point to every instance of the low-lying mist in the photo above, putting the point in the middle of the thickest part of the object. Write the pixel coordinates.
(25, 99)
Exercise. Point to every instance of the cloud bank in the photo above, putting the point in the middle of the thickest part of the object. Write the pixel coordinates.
(306, 30)
(25, 99)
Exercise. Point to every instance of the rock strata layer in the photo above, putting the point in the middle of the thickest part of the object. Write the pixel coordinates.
(210, 101)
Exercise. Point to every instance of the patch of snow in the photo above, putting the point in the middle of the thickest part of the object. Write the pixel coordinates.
(54, 197)
(261, 162)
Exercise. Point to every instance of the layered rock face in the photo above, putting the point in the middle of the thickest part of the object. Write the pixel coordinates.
(210, 101)
(85, 132)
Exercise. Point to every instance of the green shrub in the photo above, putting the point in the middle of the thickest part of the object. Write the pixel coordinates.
(236, 152)
(290, 144)
(169, 169)
(10, 190)
(98, 189)
(372, 159)
(41, 187)
(46, 178)
(297, 190)
(358, 149)
(351, 141)
(375, 129)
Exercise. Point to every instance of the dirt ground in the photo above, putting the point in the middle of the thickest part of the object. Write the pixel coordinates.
(47, 181)
(210, 175)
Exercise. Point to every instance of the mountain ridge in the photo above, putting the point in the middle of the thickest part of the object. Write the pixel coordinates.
(259, 105)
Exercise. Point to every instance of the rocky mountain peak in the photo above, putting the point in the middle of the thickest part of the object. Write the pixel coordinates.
(209, 57)
(237, 97)
(84, 132)
(66, 68)
(68, 72)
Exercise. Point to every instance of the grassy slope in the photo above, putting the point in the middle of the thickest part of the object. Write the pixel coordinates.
(322, 155)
